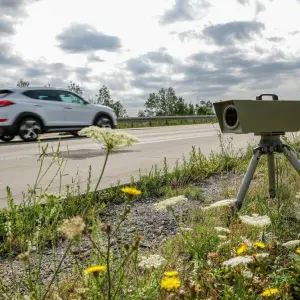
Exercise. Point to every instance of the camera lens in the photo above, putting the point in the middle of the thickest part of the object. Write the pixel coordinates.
(231, 117)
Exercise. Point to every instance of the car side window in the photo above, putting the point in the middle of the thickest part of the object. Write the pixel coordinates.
(43, 95)
(70, 98)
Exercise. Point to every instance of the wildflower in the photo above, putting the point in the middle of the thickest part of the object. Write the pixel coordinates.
(131, 191)
(259, 244)
(170, 283)
(165, 204)
(262, 255)
(256, 220)
(242, 249)
(154, 261)
(24, 256)
(186, 229)
(171, 273)
(298, 250)
(296, 209)
(291, 244)
(95, 270)
(109, 138)
(72, 228)
(222, 229)
(221, 203)
(235, 261)
(269, 292)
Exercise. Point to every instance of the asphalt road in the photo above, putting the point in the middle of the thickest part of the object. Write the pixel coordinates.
(20, 165)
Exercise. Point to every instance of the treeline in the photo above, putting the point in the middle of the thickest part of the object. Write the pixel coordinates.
(164, 103)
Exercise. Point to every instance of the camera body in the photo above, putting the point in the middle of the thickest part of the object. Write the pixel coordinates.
(258, 116)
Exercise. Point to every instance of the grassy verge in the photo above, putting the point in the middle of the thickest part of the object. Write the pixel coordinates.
(122, 125)
(199, 257)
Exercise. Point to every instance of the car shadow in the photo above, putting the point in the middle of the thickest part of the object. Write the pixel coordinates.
(47, 139)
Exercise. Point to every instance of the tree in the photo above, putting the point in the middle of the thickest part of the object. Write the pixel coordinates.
(75, 88)
(22, 83)
(165, 103)
(104, 98)
(204, 108)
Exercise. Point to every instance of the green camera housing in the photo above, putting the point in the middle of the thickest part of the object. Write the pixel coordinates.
(258, 116)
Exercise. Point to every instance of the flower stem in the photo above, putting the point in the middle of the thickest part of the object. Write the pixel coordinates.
(57, 269)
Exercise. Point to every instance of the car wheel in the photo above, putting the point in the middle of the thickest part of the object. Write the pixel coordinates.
(103, 122)
(7, 138)
(30, 129)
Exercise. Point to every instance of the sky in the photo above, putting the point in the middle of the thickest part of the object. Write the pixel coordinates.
(205, 49)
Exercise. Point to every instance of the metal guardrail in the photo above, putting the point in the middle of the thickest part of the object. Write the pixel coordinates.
(165, 118)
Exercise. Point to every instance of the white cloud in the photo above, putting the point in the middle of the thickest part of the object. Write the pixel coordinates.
(139, 27)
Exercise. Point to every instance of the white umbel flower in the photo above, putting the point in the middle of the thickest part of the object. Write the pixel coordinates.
(152, 261)
(108, 138)
(222, 229)
(221, 203)
(256, 220)
(165, 204)
(291, 244)
(262, 255)
(239, 260)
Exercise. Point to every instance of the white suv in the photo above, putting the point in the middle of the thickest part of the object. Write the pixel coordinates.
(29, 112)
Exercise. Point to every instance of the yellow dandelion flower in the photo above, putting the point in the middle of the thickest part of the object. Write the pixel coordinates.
(171, 274)
(170, 283)
(298, 250)
(242, 249)
(95, 270)
(259, 244)
(131, 191)
(269, 292)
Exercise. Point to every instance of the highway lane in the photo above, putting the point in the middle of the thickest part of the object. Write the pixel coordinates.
(19, 165)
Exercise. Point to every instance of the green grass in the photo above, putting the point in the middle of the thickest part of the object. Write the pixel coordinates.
(123, 125)
(197, 254)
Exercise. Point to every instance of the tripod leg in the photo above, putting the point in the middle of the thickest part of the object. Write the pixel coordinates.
(272, 179)
(247, 180)
(292, 158)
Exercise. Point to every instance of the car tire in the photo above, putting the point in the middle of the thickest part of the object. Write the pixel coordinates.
(7, 138)
(103, 122)
(30, 128)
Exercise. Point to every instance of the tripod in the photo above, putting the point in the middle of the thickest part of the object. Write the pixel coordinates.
(268, 145)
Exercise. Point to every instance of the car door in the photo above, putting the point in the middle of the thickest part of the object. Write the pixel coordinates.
(47, 104)
(76, 110)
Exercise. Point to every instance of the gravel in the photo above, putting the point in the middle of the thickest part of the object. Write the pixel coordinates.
(144, 219)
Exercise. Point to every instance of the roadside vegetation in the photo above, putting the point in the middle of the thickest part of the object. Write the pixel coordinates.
(256, 257)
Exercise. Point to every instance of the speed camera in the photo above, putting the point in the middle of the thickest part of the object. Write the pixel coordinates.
(258, 116)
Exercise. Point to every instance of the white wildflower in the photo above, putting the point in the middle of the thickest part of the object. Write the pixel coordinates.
(296, 210)
(222, 229)
(153, 260)
(297, 196)
(165, 204)
(235, 261)
(262, 255)
(72, 228)
(291, 244)
(256, 220)
(249, 275)
(186, 229)
(221, 203)
(222, 237)
(108, 138)
(224, 244)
